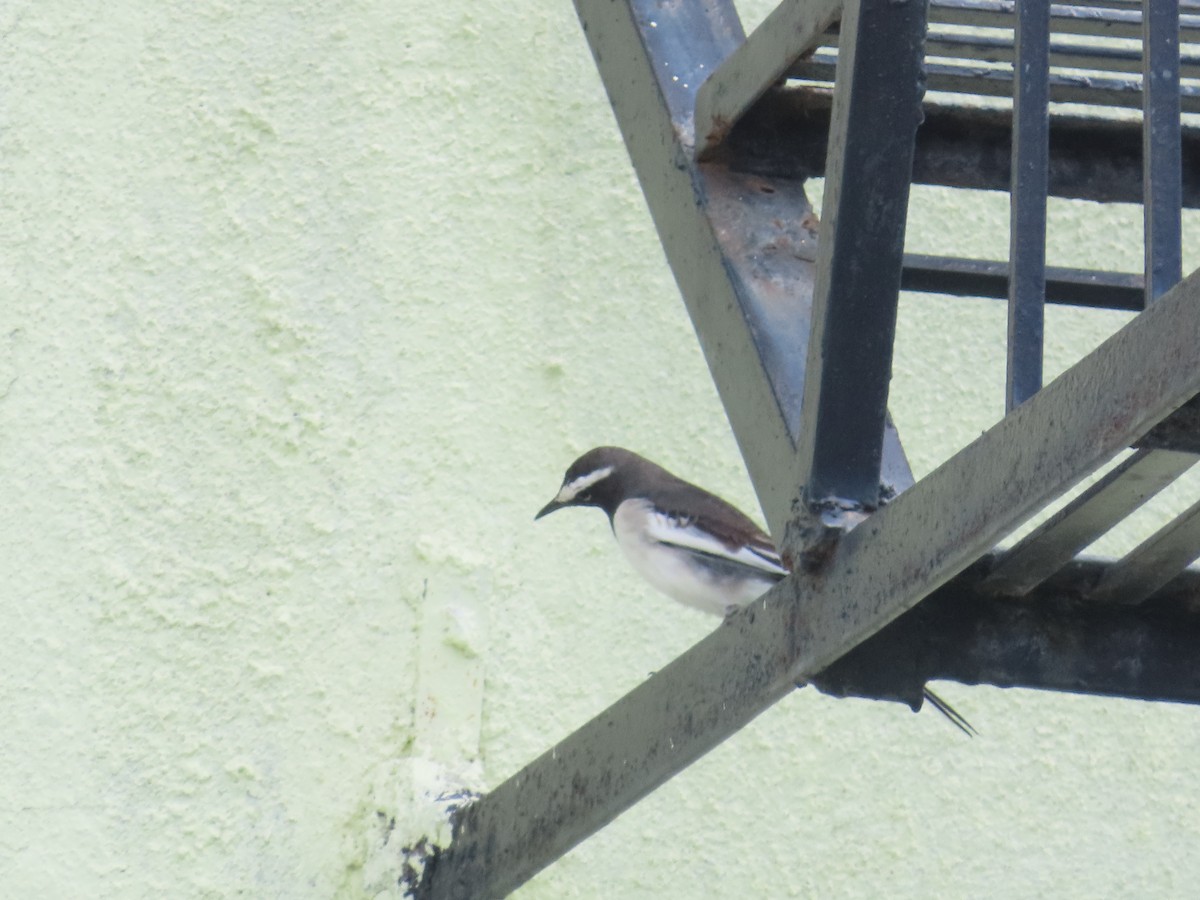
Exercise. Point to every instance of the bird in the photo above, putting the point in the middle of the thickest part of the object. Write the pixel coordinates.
(688, 543)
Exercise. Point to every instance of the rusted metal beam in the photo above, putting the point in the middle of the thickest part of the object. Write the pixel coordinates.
(744, 272)
(742, 248)
(792, 29)
(786, 132)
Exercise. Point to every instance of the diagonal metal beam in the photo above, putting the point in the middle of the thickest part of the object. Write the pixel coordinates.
(905, 551)
(1056, 541)
(792, 29)
(653, 58)
(1154, 562)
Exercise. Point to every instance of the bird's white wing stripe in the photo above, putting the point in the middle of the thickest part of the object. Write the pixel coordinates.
(667, 530)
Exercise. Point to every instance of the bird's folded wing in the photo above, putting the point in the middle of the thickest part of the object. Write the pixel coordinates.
(690, 534)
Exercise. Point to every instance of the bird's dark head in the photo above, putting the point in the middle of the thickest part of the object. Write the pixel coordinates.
(598, 478)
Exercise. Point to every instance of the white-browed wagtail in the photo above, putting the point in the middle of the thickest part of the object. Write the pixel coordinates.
(685, 541)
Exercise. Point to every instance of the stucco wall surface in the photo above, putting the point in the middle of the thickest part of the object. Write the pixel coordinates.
(306, 307)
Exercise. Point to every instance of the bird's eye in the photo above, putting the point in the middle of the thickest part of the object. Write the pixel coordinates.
(585, 497)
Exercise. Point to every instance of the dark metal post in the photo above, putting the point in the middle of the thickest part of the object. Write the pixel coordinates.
(1162, 168)
(1027, 203)
(876, 111)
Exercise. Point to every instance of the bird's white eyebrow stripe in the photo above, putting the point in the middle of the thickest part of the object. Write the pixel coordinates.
(571, 489)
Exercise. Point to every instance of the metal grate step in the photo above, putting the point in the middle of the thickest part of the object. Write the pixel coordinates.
(1085, 89)
(970, 50)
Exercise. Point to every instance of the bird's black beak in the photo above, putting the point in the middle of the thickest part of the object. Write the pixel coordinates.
(549, 508)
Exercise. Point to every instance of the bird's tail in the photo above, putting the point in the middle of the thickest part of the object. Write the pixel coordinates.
(950, 713)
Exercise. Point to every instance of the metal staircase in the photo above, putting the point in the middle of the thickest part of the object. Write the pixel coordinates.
(897, 582)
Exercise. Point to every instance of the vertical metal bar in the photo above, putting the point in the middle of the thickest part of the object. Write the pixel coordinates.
(1162, 169)
(1027, 201)
(876, 110)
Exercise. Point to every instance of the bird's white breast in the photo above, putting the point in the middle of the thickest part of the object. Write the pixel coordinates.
(677, 571)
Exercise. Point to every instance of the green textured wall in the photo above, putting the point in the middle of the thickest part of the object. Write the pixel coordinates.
(305, 308)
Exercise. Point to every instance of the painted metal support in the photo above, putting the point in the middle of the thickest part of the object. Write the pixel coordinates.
(907, 550)
(1027, 201)
(1049, 640)
(1154, 562)
(785, 135)
(1161, 147)
(876, 111)
(1055, 542)
(989, 278)
(792, 29)
(744, 293)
